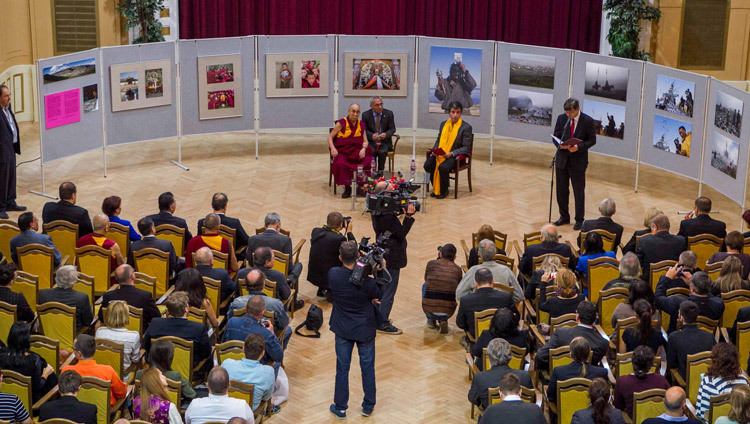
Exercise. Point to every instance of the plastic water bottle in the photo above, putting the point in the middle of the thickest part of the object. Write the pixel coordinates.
(413, 169)
(373, 167)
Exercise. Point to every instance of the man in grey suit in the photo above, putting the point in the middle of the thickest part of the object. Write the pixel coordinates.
(499, 353)
(65, 277)
(29, 225)
(512, 409)
(10, 146)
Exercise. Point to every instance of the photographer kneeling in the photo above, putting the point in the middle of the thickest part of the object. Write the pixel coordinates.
(354, 320)
(324, 250)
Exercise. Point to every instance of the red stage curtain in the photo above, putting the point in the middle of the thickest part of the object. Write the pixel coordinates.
(571, 24)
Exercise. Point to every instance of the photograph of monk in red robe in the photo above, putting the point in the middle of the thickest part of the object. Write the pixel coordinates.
(216, 74)
(310, 74)
(222, 99)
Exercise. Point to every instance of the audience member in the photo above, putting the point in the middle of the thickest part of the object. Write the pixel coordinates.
(29, 225)
(66, 210)
(607, 208)
(698, 221)
(84, 348)
(263, 259)
(586, 316)
(133, 296)
(7, 276)
(551, 265)
(219, 205)
(66, 277)
(484, 232)
(149, 241)
(324, 250)
(739, 402)
(645, 334)
(167, 206)
(499, 354)
(501, 273)
(191, 282)
(683, 270)
(722, 375)
(593, 248)
(271, 237)
(504, 325)
(549, 244)
(249, 370)
(68, 407)
(630, 272)
(211, 240)
(639, 289)
(659, 246)
(734, 242)
(512, 409)
(485, 297)
(674, 400)
(441, 279)
(17, 356)
(238, 328)
(218, 406)
(580, 352)
(112, 206)
(117, 319)
(154, 394)
(640, 380)
(12, 409)
(204, 264)
(600, 411)
(730, 278)
(567, 296)
(631, 244)
(99, 238)
(688, 340)
(700, 293)
(254, 286)
(160, 356)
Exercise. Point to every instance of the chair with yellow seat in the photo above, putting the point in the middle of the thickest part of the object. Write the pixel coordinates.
(742, 341)
(624, 364)
(95, 261)
(119, 234)
(269, 289)
(8, 314)
(648, 404)
(174, 391)
(243, 391)
(481, 322)
(183, 357)
(501, 240)
(572, 396)
(704, 323)
(63, 421)
(558, 357)
(713, 269)
(64, 235)
(20, 385)
(27, 285)
(97, 391)
(601, 271)
(566, 320)
(49, 349)
(391, 154)
(607, 302)
(657, 269)
(704, 245)
(85, 284)
(537, 260)
(174, 235)
(228, 233)
(719, 406)
(197, 315)
(213, 292)
(221, 260)
(154, 263)
(697, 364)
(502, 260)
(8, 230)
(135, 317)
(517, 358)
(675, 291)
(112, 353)
(529, 239)
(608, 239)
(233, 349)
(146, 283)
(733, 302)
(38, 260)
(58, 322)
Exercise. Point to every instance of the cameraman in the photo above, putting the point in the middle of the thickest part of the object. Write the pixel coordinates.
(353, 320)
(396, 255)
(324, 250)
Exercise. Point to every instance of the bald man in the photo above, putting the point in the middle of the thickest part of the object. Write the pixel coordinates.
(98, 238)
(675, 403)
(211, 239)
(349, 148)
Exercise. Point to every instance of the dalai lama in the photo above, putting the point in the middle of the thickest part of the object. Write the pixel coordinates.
(349, 149)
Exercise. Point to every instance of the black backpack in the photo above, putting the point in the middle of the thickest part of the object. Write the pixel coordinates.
(313, 322)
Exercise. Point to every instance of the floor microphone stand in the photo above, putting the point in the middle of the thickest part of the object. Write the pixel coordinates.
(553, 167)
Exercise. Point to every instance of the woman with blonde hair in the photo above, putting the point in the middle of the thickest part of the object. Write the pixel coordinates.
(740, 407)
(154, 394)
(650, 213)
(117, 319)
(549, 267)
(730, 277)
(567, 298)
(484, 232)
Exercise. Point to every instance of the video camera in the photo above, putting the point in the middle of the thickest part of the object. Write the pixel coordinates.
(393, 202)
(372, 255)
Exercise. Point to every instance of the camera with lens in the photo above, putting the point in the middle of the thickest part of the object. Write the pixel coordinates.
(393, 202)
(346, 221)
(371, 257)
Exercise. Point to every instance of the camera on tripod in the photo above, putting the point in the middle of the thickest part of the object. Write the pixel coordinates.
(372, 256)
(393, 202)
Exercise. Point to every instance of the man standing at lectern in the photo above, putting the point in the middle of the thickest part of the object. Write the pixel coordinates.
(10, 146)
(571, 161)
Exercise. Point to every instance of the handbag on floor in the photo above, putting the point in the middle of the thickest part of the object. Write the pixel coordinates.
(312, 322)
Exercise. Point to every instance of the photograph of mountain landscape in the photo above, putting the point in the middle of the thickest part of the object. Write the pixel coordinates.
(69, 70)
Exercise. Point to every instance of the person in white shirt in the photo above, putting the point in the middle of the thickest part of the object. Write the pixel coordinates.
(218, 406)
(117, 319)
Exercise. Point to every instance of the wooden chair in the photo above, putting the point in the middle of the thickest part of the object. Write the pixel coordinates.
(64, 235)
(8, 315)
(529, 239)
(601, 271)
(657, 269)
(95, 261)
(697, 364)
(64, 421)
(557, 357)
(704, 245)
(572, 395)
(48, 349)
(8, 230)
(608, 301)
(713, 270)
(608, 239)
(676, 291)
(719, 406)
(174, 235)
(517, 360)
(282, 231)
(85, 284)
(38, 260)
(501, 240)
(620, 327)
(213, 292)
(233, 349)
(463, 163)
(197, 315)
(135, 318)
(243, 391)
(19, 385)
(228, 233)
(542, 317)
(537, 260)
(27, 285)
(269, 288)
(155, 263)
(733, 302)
(97, 391)
(742, 341)
(705, 324)
(648, 404)
(221, 260)
(183, 357)
(566, 320)
(112, 353)
(624, 364)
(58, 322)
(481, 322)
(391, 155)
(119, 234)
(146, 283)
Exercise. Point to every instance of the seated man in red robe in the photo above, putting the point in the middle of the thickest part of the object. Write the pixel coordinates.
(212, 240)
(348, 145)
(97, 238)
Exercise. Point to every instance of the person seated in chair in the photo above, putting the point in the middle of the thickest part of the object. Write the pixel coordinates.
(149, 241)
(711, 307)
(549, 244)
(253, 281)
(586, 316)
(379, 127)
(66, 277)
(133, 296)
(580, 367)
(212, 240)
(264, 260)
(630, 272)
(324, 250)
(68, 407)
(734, 242)
(84, 348)
(7, 276)
(238, 328)
(219, 204)
(167, 206)
(99, 238)
(607, 208)
(484, 297)
(67, 210)
(501, 273)
(271, 237)
(249, 370)
(698, 221)
(512, 409)
(689, 340)
(29, 226)
(454, 138)
(349, 148)
(204, 264)
(500, 355)
(659, 246)
(674, 401)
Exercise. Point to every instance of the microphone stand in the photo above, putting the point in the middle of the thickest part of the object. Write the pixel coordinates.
(553, 167)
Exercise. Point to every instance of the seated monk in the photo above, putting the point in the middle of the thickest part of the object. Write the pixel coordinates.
(98, 238)
(348, 145)
(211, 239)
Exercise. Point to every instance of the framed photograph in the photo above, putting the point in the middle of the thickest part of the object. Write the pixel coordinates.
(530, 107)
(370, 74)
(90, 98)
(671, 135)
(532, 70)
(728, 116)
(69, 70)
(609, 119)
(674, 95)
(725, 154)
(455, 75)
(220, 86)
(606, 81)
(141, 85)
(297, 75)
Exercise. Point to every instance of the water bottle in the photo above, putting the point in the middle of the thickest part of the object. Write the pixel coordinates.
(413, 169)
(373, 167)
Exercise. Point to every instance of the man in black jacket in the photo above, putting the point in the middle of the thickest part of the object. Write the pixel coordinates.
(66, 210)
(271, 237)
(698, 221)
(689, 340)
(167, 206)
(549, 244)
(499, 353)
(149, 241)
(460, 145)
(395, 258)
(10, 146)
(134, 297)
(204, 264)
(659, 246)
(586, 316)
(324, 250)
(512, 409)
(607, 208)
(700, 293)
(219, 205)
(379, 127)
(68, 406)
(484, 297)
(7, 275)
(572, 161)
(685, 268)
(178, 325)
(66, 277)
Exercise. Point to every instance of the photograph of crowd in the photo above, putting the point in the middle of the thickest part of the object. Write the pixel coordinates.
(725, 154)
(728, 115)
(607, 81)
(154, 83)
(217, 74)
(141, 85)
(674, 95)
(609, 119)
(90, 98)
(532, 70)
(69, 70)
(310, 73)
(455, 75)
(284, 78)
(128, 86)
(221, 99)
(530, 107)
(672, 136)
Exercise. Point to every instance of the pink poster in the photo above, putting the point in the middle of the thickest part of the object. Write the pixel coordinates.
(62, 108)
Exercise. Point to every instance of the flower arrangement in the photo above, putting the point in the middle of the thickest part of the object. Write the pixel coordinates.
(370, 183)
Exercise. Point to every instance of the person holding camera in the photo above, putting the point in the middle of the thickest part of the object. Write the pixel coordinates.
(354, 319)
(324, 250)
(396, 252)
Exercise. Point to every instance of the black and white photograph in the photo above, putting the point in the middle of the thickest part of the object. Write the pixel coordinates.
(530, 107)
(532, 70)
(609, 119)
(607, 81)
(674, 95)
(728, 115)
(725, 154)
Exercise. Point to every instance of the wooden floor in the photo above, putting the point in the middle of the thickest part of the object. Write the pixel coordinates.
(421, 376)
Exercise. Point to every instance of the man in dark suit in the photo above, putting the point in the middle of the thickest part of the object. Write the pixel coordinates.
(499, 353)
(68, 406)
(607, 208)
(549, 244)
(324, 250)
(219, 205)
(10, 146)
(271, 237)
(23, 310)
(379, 127)
(689, 340)
(133, 296)
(512, 409)
(66, 210)
(149, 241)
(484, 297)
(354, 320)
(264, 260)
(585, 315)
(700, 293)
(698, 221)
(579, 352)
(659, 246)
(204, 261)
(681, 279)
(674, 401)
(452, 146)
(66, 277)
(178, 325)
(167, 206)
(29, 225)
(743, 315)
(572, 161)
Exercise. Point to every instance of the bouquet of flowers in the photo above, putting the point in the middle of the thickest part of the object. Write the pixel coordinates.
(370, 183)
